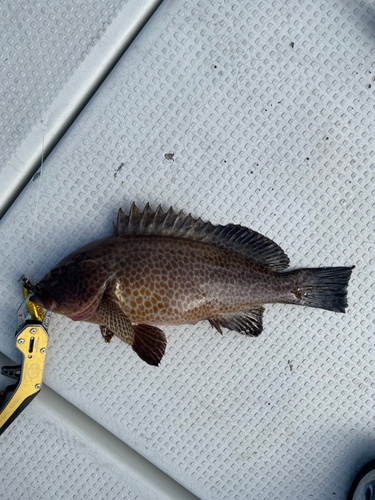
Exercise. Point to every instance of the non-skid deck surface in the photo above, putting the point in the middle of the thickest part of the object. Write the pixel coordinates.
(257, 113)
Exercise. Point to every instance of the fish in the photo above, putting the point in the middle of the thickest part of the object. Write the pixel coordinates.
(166, 268)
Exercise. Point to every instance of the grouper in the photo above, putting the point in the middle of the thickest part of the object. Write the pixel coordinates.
(164, 268)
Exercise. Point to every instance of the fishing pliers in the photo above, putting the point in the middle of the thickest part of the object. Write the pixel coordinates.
(31, 339)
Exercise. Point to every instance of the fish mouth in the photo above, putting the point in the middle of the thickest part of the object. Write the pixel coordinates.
(43, 299)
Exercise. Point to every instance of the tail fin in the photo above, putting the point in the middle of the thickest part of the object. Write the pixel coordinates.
(323, 287)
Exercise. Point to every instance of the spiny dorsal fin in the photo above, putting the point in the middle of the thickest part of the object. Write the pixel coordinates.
(238, 238)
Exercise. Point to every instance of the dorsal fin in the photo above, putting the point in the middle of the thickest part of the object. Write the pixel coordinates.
(238, 238)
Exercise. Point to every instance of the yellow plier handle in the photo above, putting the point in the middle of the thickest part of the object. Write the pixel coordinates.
(31, 341)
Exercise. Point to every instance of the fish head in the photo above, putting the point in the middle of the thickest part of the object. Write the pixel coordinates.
(73, 288)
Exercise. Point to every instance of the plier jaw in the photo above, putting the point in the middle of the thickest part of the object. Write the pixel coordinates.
(31, 340)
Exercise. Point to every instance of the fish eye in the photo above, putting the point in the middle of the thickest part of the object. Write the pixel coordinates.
(55, 275)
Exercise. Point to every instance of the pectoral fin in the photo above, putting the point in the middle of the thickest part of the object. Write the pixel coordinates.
(107, 334)
(149, 343)
(113, 322)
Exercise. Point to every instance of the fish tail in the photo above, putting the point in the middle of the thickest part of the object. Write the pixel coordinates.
(324, 287)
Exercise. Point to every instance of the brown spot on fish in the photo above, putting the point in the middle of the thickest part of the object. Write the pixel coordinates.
(163, 268)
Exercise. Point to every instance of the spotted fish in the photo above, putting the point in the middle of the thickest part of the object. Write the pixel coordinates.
(163, 268)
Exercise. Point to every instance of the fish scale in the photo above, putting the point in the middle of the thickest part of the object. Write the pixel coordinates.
(163, 268)
(167, 280)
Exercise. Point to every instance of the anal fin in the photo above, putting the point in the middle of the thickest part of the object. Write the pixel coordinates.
(149, 343)
(246, 322)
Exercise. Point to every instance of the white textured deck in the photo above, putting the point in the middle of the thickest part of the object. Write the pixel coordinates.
(267, 109)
